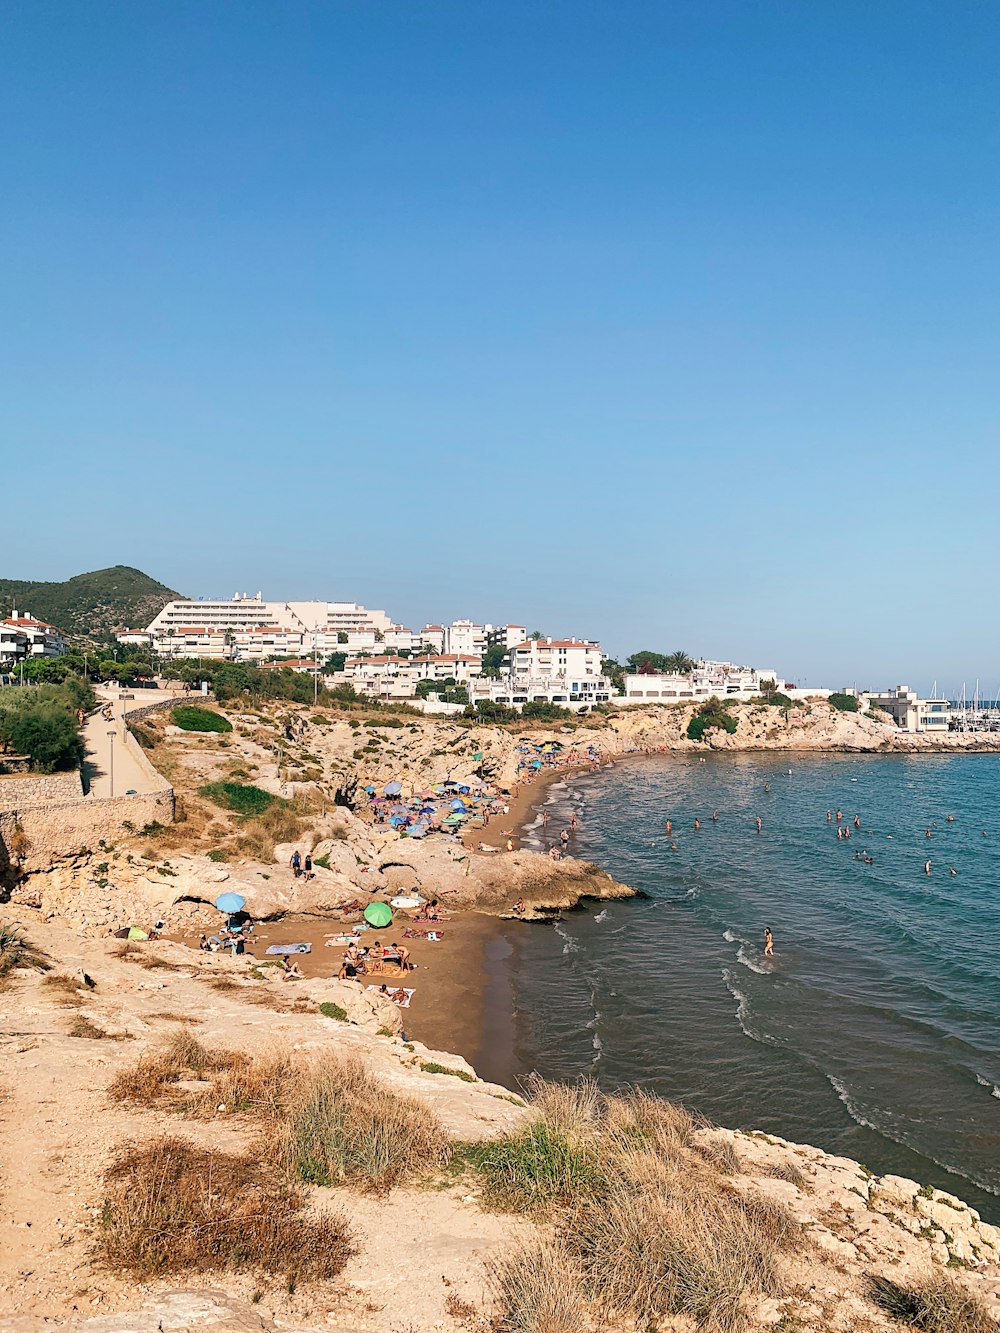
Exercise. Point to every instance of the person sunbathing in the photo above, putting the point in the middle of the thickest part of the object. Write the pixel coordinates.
(398, 996)
(291, 970)
(349, 968)
(376, 956)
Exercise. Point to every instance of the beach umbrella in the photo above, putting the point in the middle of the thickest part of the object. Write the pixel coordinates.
(458, 805)
(136, 934)
(392, 788)
(230, 902)
(369, 788)
(378, 914)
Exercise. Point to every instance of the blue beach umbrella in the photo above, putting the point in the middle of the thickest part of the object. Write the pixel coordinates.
(392, 788)
(230, 902)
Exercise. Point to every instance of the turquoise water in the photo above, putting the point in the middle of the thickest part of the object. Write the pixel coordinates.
(874, 1031)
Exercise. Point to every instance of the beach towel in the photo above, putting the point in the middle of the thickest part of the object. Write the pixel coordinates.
(288, 948)
(424, 920)
(332, 941)
(400, 1004)
(422, 934)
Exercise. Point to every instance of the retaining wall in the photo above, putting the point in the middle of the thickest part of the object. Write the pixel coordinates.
(46, 815)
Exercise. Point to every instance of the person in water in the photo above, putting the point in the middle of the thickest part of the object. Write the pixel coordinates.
(697, 825)
(768, 942)
(927, 867)
(759, 824)
(857, 821)
(715, 816)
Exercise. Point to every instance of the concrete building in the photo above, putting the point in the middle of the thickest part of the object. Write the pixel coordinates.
(464, 636)
(708, 679)
(243, 612)
(565, 659)
(909, 711)
(505, 636)
(432, 638)
(193, 641)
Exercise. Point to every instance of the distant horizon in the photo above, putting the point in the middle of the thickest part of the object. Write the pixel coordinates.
(924, 688)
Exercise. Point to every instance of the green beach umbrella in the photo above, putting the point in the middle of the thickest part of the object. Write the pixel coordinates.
(378, 914)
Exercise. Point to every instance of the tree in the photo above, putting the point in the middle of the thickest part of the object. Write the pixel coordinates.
(335, 662)
(46, 670)
(844, 703)
(646, 663)
(615, 672)
(494, 660)
(536, 634)
(768, 687)
(680, 664)
(44, 729)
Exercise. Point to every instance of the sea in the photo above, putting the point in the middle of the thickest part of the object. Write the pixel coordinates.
(873, 1031)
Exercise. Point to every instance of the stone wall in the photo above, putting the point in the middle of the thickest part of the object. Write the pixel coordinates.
(18, 790)
(46, 815)
(31, 836)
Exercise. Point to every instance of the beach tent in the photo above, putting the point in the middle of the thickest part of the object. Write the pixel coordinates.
(136, 934)
(378, 914)
(230, 902)
(393, 788)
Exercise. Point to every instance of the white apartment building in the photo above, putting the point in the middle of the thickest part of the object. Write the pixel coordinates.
(257, 645)
(13, 645)
(193, 641)
(35, 637)
(505, 636)
(566, 659)
(243, 612)
(432, 637)
(463, 636)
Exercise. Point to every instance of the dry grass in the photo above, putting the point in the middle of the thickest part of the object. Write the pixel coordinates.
(537, 1290)
(127, 949)
(938, 1306)
(345, 1127)
(645, 1220)
(69, 988)
(249, 993)
(152, 1081)
(16, 951)
(171, 1207)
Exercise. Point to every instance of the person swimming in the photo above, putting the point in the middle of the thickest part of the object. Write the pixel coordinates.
(697, 825)
(927, 867)
(760, 823)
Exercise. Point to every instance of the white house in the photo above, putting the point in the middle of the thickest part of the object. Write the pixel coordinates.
(909, 711)
(40, 639)
(464, 636)
(505, 636)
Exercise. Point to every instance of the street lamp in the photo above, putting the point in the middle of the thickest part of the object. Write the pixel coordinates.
(111, 766)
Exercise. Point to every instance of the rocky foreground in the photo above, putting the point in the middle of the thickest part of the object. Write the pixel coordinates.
(425, 1253)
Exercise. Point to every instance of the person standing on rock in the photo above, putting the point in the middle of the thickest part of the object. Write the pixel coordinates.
(296, 864)
(309, 865)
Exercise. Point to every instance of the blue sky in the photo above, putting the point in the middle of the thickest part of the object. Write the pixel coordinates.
(669, 323)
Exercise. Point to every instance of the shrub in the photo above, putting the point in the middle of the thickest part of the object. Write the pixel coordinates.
(936, 1306)
(534, 1169)
(15, 951)
(429, 1067)
(712, 713)
(189, 717)
(330, 1010)
(241, 798)
(345, 1127)
(537, 1290)
(44, 728)
(218, 854)
(844, 703)
(171, 1207)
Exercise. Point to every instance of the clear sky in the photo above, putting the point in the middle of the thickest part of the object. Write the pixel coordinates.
(673, 324)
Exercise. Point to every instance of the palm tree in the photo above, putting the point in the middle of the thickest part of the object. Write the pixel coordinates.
(680, 664)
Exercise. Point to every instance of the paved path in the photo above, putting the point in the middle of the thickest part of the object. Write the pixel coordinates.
(129, 773)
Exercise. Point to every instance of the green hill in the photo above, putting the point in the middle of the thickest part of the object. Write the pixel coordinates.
(90, 604)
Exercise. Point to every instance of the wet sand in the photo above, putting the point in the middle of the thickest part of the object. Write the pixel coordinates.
(524, 805)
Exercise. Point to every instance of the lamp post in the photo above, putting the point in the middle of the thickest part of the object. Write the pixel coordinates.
(111, 765)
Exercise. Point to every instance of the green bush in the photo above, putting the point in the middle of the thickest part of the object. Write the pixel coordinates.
(844, 703)
(711, 714)
(331, 1010)
(189, 717)
(430, 1067)
(535, 1168)
(241, 798)
(42, 724)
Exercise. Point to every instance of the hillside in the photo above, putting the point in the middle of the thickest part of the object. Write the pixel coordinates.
(91, 603)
